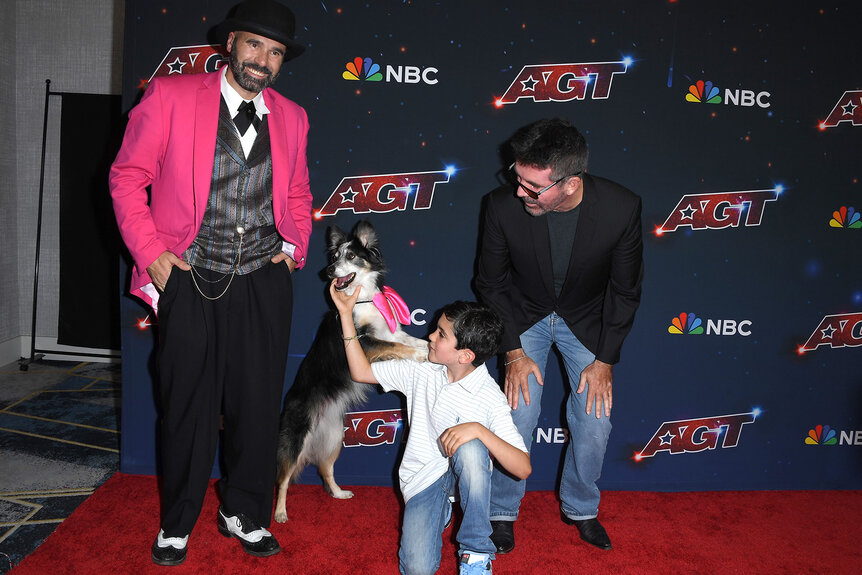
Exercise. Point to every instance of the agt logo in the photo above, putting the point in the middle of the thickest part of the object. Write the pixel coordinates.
(365, 69)
(707, 93)
(191, 60)
(693, 435)
(836, 331)
(719, 210)
(384, 193)
(690, 324)
(370, 428)
(825, 435)
(848, 109)
(563, 82)
(845, 217)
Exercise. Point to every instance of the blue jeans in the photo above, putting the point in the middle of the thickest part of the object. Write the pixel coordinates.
(426, 513)
(588, 435)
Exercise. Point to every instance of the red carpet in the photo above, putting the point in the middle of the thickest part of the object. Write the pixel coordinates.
(712, 533)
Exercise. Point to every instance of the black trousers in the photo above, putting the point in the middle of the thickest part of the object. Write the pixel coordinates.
(221, 357)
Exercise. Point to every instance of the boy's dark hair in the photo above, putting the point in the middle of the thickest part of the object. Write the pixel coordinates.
(476, 328)
(551, 143)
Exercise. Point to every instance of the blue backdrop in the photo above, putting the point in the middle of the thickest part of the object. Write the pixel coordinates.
(739, 123)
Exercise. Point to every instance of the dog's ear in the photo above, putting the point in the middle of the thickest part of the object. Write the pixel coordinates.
(366, 235)
(334, 236)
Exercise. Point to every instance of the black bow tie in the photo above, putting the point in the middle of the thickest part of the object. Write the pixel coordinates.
(246, 116)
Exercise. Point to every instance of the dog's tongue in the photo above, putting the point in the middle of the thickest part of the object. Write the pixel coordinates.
(343, 280)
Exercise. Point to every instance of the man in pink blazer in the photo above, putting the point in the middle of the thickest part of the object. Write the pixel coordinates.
(214, 244)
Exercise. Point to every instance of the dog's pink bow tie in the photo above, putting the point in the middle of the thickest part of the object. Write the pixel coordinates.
(393, 308)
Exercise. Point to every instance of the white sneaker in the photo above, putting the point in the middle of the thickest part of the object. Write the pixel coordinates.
(475, 564)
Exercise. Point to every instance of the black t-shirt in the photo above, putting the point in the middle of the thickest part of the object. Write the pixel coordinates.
(561, 229)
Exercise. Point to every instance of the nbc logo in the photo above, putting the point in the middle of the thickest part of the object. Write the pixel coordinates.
(707, 93)
(686, 323)
(360, 69)
(846, 217)
(690, 324)
(821, 435)
(702, 91)
(365, 69)
(825, 435)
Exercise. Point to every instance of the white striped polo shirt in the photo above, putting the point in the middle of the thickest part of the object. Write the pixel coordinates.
(433, 406)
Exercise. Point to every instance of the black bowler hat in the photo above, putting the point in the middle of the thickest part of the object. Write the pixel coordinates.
(265, 17)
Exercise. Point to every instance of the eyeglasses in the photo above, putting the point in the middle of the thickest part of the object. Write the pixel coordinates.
(532, 193)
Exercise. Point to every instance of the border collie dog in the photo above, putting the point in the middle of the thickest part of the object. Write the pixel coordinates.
(312, 419)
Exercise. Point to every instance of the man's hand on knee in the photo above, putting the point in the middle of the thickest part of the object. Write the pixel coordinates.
(598, 378)
(518, 369)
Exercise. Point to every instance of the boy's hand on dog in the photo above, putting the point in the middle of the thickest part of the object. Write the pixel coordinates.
(343, 302)
(458, 435)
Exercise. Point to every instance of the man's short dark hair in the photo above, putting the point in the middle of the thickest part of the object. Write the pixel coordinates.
(551, 142)
(476, 328)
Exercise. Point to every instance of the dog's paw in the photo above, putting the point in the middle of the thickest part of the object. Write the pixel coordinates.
(342, 494)
(280, 516)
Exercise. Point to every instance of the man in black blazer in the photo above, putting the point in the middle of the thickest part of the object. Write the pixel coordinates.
(561, 261)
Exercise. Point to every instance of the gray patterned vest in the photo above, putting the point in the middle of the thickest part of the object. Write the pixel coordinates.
(238, 229)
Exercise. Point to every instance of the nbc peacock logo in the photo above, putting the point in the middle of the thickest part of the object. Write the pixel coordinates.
(362, 69)
(703, 92)
(821, 435)
(846, 217)
(686, 323)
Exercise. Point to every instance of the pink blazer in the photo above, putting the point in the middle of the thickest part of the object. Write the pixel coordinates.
(169, 145)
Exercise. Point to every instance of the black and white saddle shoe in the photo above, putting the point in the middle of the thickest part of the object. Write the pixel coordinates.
(255, 539)
(169, 551)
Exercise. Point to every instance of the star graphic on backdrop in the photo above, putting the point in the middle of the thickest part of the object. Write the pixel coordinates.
(529, 84)
(667, 438)
(687, 213)
(348, 195)
(830, 331)
(848, 109)
(176, 66)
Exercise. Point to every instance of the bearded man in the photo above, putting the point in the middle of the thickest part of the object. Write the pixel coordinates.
(214, 244)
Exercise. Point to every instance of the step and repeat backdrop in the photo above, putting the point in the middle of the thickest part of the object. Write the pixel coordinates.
(739, 124)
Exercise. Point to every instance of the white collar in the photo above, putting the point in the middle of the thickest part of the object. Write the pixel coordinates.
(233, 99)
(469, 382)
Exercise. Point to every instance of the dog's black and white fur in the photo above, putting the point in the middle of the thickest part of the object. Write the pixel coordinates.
(312, 420)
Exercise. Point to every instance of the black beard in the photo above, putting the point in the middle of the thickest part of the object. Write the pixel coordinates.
(246, 81)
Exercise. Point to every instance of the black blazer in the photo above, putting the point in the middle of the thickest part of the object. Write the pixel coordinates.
(603, 284)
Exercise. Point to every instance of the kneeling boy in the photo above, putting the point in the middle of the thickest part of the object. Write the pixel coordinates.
(459, 420)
